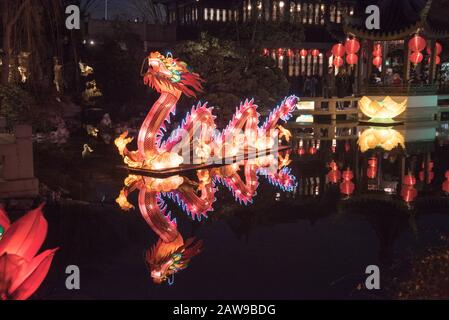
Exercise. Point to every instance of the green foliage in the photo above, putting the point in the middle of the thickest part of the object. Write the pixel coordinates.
(233, 74)
(16, 105)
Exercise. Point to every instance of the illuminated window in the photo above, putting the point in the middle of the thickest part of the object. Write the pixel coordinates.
(317, 14)
(218, 17)
(311, 11)
(332, 13)
(304, 13)
(321, 62)
(212, 11)
(274, 13)
(323, 13)
(266, 8)
(206, 14)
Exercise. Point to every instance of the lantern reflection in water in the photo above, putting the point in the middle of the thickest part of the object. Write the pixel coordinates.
(385, 138)
(196, 197)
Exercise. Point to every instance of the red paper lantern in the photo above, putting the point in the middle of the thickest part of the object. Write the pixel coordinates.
(377, 61)
(417, 43)
(315, 52)
(371, 172)
(438, 49)
(409, 193)
(352, 46)
(338, 50)
(377, 51)
(303, 53)
(347, 188)
(289, 52)
(437, 60)
(338, 62)
(312, 150)
(348, 175)
(409, 180)
(446, 183)
(334, 176)
(416, 57)
(352, 59)
(280, 51)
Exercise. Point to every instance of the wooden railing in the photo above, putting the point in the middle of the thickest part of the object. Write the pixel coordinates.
(403, 90)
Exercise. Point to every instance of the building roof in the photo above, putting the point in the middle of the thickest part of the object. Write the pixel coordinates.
(401, 18)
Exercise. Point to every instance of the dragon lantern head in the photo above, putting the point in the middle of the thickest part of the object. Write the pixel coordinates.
(164, 260)
(166, 74)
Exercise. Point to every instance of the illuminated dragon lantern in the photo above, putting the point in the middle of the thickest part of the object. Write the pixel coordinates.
(172, 254)
(172, 78)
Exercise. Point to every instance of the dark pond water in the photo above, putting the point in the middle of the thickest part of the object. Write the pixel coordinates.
(310, 231)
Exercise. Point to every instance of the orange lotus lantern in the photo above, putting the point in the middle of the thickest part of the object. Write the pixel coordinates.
(417, 44)
(382, 110)
(22, 271)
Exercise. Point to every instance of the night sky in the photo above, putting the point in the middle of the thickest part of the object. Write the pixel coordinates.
(117, 8)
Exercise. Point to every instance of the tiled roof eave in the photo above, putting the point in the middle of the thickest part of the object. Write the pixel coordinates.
(375, 35)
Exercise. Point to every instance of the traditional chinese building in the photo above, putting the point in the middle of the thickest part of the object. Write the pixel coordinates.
(320, 19)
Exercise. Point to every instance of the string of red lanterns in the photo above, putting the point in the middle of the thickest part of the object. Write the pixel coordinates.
(377, 54)
(416, 45)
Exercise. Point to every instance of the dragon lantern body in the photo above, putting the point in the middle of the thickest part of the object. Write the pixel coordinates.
(171, 78)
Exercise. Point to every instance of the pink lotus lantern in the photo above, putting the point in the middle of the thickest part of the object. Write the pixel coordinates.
(22, 271)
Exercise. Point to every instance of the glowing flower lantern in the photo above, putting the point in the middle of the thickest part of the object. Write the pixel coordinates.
(338, 50)
(409, 192)
(416, 57)
(303, 53)
(382, 111)
(315, 52)
(352, 46)
(385, 138)
(352, 59)
(417, 44)
(22, 272)
(347, 187)
(371, 172)
(338, 62)
(446, 183)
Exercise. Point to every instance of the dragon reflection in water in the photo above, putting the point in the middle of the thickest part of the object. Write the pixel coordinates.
(196, 197)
